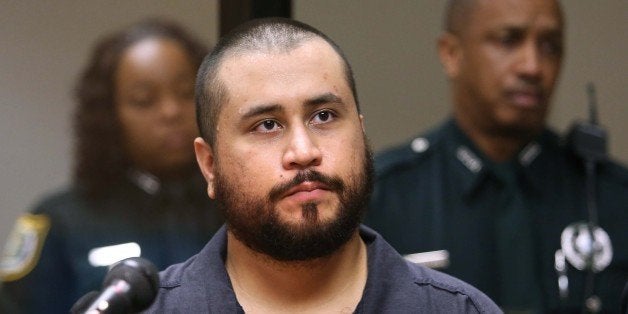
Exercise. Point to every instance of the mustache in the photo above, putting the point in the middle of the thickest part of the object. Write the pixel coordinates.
(332, 183)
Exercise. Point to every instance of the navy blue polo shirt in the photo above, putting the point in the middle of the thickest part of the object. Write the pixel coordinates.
(202, 285)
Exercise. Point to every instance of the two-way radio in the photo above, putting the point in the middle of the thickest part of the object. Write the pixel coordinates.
(585, 245)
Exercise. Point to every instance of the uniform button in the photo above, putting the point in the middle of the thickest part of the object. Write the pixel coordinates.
(420, 144)
(593, 304)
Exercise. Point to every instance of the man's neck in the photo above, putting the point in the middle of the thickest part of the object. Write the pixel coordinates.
(333, 284)
(497, 147)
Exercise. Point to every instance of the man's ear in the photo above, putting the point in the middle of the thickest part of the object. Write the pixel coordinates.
(362, 123)
(205, 160)
(450, 54)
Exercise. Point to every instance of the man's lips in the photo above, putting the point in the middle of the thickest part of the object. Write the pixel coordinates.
(305, 188)
(525, 98)
(306, 185)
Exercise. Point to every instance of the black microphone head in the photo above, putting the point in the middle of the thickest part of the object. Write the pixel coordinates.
(141, 275)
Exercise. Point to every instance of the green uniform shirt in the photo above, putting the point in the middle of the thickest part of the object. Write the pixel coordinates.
(53, 260)
(500, 223)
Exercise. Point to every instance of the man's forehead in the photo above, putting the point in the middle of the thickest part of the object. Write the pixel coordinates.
(542, 14)
(316, 46)
(252, 77)
(257, 66)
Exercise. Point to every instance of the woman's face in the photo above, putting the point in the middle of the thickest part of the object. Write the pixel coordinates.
(154, 100)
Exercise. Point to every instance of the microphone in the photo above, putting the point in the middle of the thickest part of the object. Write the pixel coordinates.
(129, 287)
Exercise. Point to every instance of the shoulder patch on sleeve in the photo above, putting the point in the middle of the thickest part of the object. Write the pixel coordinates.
(22, 250)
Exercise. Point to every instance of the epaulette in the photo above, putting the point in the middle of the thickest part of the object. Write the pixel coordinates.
(610, 167)
(617, 171)
(406, 154)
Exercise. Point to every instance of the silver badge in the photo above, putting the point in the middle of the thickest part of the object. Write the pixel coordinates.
(584, 249)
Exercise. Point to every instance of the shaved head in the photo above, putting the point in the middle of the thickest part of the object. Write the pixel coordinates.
(457, 13)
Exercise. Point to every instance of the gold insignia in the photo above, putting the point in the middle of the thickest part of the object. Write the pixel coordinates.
(22, 250)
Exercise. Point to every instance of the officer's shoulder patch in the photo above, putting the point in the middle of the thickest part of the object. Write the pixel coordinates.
(22, 250)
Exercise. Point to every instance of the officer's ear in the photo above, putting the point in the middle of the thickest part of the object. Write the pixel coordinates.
(450, 54)
(205, 160)
(362, 123)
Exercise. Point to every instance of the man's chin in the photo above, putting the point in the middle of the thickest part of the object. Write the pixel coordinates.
(519, 126)
(304, 227)
(524, 130)
(307, 213)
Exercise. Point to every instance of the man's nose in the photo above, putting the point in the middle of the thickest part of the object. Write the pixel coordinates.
(170, 106)
(529, 61)
(302, 150)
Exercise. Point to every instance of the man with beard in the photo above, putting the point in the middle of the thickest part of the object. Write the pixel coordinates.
(493, 185)
(285, 156)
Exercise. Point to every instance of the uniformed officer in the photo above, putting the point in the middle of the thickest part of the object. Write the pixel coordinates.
(136, 189)
(492, 185)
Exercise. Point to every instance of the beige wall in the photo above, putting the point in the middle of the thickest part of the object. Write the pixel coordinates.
(390, 43)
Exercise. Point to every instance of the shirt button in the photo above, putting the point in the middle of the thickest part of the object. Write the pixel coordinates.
(593, 304)
(420, 144)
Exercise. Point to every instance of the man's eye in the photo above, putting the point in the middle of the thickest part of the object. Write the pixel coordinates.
(552, 47)
(509, 38)
(323, 116)
(267, 126)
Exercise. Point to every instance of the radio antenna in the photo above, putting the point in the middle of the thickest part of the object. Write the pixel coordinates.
(592, 103)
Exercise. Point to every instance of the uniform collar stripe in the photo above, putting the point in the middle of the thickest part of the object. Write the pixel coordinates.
(145, 181)
(469, 159)
(529, 153)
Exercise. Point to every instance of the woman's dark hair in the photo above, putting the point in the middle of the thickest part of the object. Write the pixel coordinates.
(100, 158)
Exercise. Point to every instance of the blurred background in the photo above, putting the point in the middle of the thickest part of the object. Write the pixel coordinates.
(391, 45)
